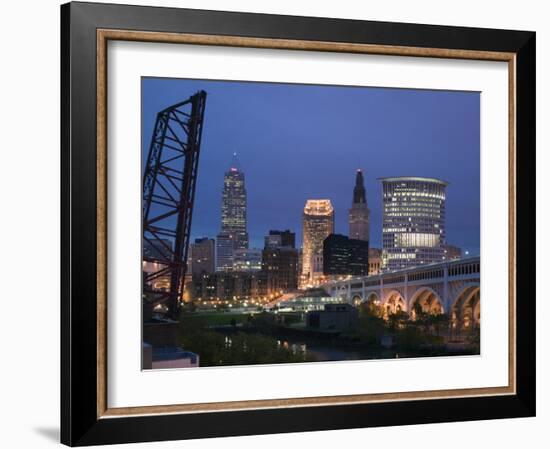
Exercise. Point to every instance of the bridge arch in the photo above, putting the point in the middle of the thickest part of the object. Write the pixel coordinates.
(466, 307)
(394, 303)
(356, 300)
(427, 300)
(371, 296)
(342, 292)
(371, 304)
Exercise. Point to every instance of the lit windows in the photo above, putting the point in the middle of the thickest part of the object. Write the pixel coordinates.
(407, 240)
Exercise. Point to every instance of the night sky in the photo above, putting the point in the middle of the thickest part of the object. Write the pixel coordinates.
(297, 142)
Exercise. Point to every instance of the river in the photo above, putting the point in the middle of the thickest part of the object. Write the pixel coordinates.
(325, 351)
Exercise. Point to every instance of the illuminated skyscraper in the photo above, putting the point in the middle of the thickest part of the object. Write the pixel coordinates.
(318, 224)
(234, 206)
(359, 214)
(413, 226)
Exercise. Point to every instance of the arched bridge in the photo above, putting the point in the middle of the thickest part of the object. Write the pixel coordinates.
(450, 287)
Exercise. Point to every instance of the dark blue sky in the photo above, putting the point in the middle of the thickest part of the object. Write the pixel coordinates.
(296, 142)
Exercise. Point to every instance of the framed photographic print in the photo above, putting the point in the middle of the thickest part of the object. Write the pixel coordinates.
(281, 224)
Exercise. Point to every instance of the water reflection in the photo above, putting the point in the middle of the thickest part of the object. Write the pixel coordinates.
(324, 351)
(295, 348)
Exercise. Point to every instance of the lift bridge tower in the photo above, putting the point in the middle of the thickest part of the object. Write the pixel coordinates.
(169, 181)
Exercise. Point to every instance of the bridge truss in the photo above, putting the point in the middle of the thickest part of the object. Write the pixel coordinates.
(169, 181)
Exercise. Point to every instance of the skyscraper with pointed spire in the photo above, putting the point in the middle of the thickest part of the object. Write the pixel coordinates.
(233, 220)
(359, 214)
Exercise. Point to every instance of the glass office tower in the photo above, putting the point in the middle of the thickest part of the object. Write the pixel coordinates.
(413, 226)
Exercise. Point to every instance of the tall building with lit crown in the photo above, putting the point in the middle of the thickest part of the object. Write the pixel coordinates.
(359, 214)
(413, 224)
(317, 225)
(234, 206)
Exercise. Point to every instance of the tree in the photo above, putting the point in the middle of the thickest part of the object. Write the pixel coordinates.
(410, 338)
(474, 341)
(438, 322)
(397, 320)
(370, 309)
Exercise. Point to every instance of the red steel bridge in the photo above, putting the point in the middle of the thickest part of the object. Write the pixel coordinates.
(169, 182)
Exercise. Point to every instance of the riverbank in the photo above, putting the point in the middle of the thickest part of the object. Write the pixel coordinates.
(229, 338)
(332, 346)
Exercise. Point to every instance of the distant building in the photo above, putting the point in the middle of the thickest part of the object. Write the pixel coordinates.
(280, 261)
(272, 241)
(317, 275)
(204, 287)
(225, 247)
(300, 254)
(280, 238)
(229, 285)
(247, 259)
(157, 250)
(336, 317)
(234, 206)
(375, 261)
(318, 224)
(312, 299)
(202, 256)
(359, 214)
(160, 283)
(168, 357)
(236, 286)
(153, 254)
(345, 256)
(413, 225)
(281, 268)
(452, 252)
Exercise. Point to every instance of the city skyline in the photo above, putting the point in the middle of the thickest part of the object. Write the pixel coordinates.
(296, 264)
(268, 199)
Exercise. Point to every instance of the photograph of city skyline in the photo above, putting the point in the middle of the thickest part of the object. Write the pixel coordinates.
(288, 223)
